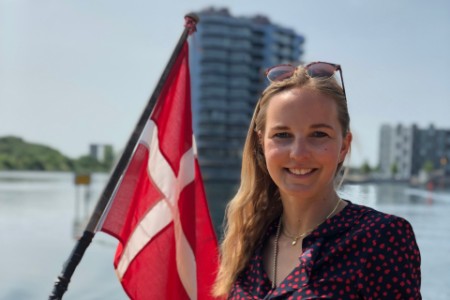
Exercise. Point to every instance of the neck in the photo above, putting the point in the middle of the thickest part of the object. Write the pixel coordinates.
(300, 216)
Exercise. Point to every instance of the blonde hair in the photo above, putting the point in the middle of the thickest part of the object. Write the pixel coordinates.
(257, 202)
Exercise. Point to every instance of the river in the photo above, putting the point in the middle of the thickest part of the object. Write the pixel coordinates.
(38, 212)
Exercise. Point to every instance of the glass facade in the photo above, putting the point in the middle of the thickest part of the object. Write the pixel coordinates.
(227, 60)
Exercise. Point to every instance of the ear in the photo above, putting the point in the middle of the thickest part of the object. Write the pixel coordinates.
(346, 142)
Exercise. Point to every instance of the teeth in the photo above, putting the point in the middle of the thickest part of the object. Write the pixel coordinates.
(300, 171)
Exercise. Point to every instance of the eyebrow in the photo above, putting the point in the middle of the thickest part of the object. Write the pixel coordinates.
(279, 127)
(314, 126)
(321, 125)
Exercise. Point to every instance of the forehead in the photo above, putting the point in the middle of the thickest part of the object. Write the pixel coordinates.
(301, 106)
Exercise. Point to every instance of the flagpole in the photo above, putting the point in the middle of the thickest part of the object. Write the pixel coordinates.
(63, 280)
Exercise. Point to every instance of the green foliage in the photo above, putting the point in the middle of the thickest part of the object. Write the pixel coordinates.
(428, 166)
(365, 168)
(394, 169)
(17, 154)
(86, 164)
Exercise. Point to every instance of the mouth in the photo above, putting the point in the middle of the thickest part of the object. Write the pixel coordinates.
(301, 171)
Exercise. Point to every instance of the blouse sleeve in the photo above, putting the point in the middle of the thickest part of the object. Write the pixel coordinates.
(392, 266)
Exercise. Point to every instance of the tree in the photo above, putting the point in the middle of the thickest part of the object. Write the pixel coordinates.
(428, 166)
(365, 168)
(17, 154)
(394, 169)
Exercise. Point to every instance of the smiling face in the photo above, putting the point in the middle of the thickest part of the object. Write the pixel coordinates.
(303, 143)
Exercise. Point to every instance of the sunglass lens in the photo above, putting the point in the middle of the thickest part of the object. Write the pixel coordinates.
(279, 73)
(321, 70)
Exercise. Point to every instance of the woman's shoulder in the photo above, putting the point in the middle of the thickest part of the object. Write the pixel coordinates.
(363, 212)
(386, 246)
(373, 221)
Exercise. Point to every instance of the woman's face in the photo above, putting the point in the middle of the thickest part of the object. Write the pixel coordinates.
(303, 142)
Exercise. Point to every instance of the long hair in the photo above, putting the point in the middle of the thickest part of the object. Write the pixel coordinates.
(257, 202)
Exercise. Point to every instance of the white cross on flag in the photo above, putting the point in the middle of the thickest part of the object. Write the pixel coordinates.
(159, 213)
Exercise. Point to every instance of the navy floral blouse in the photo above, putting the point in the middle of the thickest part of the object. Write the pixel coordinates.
(360, 253)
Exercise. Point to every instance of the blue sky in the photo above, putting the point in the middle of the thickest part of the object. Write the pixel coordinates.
(79, 72)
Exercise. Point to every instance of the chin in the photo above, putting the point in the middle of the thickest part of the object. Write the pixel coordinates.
(301, 192)
(305, 191)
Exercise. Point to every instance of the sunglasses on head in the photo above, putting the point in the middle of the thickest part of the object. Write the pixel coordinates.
(317, 69)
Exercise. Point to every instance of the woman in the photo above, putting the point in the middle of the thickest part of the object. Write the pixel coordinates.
(288, 234)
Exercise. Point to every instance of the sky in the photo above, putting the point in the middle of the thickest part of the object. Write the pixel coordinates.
(77, 72)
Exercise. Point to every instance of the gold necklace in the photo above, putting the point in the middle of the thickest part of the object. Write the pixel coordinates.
(294, 242)
(275, 255)
(295, 238)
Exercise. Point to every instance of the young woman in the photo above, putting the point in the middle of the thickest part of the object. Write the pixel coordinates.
(288, 234)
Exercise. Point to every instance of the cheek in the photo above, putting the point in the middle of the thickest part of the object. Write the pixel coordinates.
(273, 154)
(324, 149)
(328, 153)
(273, 150)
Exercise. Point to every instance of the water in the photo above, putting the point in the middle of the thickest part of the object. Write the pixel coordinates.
(38, 211)
(428, 213)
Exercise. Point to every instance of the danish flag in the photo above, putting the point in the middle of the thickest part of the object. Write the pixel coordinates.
(167, 246)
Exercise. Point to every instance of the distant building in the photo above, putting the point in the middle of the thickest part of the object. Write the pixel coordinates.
(407, 150)
(386, 150)
(227, 60)
(101, 152)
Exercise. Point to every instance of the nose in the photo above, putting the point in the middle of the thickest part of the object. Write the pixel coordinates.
(300, 149)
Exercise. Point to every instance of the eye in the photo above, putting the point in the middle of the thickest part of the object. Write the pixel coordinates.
(319, 134)
(282, 135)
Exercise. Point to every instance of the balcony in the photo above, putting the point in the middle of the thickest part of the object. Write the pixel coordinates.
(215, 56)
(216, 43)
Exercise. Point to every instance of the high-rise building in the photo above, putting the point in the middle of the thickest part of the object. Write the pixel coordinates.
(407, 150)
(227, 60)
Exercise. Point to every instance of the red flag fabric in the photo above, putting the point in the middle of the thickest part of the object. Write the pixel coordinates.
(159, 213)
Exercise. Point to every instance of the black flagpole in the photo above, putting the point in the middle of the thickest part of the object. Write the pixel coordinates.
(75, 257)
